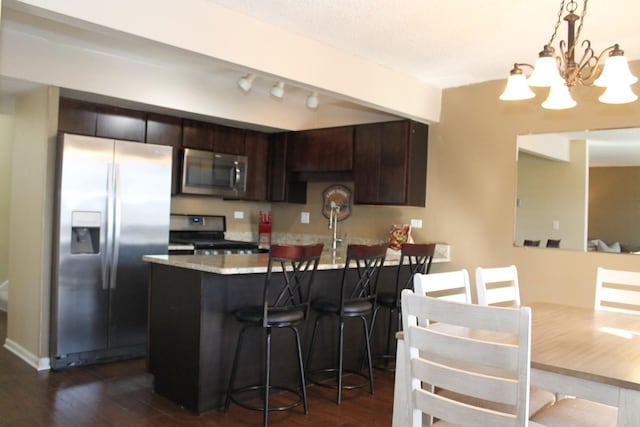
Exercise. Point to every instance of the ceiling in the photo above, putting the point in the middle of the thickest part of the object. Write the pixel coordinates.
(445, 44)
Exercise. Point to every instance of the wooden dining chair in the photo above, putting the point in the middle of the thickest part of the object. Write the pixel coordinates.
(617, 290)
(454, 286)
(482, 352)
(498, 286)
(450, 285)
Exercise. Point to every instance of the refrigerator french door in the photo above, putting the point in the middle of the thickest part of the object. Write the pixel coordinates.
(113, 207)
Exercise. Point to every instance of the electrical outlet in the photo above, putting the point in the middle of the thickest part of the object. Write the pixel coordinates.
(416, 223)
(556, 225)
(304, 217)
(238, 215)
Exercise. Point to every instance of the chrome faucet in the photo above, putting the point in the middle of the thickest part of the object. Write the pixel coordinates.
(333, 225)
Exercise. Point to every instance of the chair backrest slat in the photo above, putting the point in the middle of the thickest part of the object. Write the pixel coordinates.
(450, 285)
(498, 285)
(475, 351)
(618, 290)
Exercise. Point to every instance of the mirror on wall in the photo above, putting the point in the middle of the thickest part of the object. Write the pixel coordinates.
(579, 190)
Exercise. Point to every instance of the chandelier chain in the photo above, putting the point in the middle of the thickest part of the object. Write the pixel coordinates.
(584, 13)
(555, 29)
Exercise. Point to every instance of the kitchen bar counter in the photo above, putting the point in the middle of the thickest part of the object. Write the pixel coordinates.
(193, 331)
(257, 263)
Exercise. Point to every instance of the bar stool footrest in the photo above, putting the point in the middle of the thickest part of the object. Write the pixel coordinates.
(325, 383)
(261, 387)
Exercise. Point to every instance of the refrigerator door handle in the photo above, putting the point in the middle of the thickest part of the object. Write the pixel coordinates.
(107, 257)
(117, 221)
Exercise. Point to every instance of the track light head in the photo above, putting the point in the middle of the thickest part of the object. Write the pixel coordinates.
(277, 90)
(245, 82)
(313, 101)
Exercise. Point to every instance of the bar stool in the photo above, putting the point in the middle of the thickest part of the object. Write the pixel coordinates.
(357, 299)
(418, 257)
(285, 304)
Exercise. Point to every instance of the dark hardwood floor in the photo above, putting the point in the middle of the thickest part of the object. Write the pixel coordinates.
(119, 394)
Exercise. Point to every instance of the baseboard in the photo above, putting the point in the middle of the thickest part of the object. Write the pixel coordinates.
(38, 363)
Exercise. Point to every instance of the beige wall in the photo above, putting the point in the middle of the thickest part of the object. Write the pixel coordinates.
(6, 142)
(31, 222)
(551, 191)
(614, 203)
(472, 176)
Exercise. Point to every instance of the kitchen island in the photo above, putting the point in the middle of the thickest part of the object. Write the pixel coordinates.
(193, 332)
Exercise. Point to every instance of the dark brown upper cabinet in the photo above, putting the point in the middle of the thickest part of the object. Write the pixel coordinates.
(212, 137)
(390, 163)
(77, 117)
(321, 150)
(256, 146)
(120, 123)
(282, 188)
(167, 130)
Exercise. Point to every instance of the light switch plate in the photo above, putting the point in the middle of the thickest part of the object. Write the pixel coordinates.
(416, 223)
(304, 217)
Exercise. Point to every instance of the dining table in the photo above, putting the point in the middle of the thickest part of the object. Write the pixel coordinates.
(578, 352)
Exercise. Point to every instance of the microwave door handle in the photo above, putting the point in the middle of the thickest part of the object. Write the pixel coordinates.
(237, 175)
(234, 175)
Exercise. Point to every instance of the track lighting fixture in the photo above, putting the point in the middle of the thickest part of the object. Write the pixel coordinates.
(245, 82)
(277, 90)
(313, 101)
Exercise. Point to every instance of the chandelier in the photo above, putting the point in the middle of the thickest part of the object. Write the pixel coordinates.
(562, 70)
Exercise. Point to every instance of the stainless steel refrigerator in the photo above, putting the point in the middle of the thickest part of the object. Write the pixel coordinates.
(113, 207)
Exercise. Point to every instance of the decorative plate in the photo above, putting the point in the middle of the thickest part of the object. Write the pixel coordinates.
(336, 195)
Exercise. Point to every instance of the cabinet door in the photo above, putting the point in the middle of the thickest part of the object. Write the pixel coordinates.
(321, 150)
(77, 117)
(167, 130)
(196, 135)
(281, 188)
(120, 123)
(227, 140)
(390, 163)
(256, 146)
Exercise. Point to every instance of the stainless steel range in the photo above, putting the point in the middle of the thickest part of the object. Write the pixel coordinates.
(204, 235)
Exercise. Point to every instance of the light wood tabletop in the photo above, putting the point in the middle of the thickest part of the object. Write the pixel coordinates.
(596, 345)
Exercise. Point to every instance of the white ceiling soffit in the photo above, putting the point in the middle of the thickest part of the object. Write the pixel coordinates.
(205, 37)
(344, 48)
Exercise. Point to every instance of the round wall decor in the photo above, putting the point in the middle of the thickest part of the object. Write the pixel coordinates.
(339, 196)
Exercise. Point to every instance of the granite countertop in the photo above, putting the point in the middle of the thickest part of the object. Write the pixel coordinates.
(257, 263)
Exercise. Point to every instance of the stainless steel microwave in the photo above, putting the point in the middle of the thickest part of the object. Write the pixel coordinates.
(213, 174)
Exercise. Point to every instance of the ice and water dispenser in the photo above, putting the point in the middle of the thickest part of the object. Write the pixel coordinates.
(85, 232)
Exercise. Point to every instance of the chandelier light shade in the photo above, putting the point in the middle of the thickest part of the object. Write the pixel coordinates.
(559, 98)
(245, 82)
(313, 101)
(517, 87)
(559, 70)
(277, 90)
